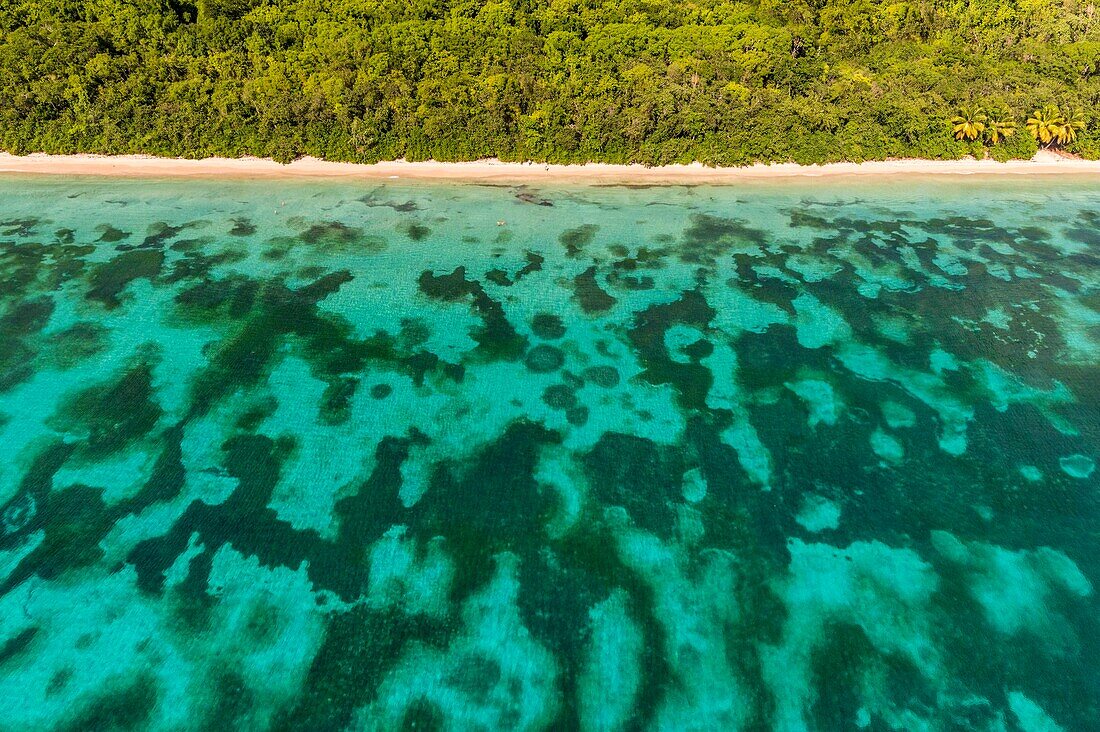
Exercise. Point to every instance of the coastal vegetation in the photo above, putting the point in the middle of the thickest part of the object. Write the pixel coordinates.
(1050, 127)
(649, 81)
(968, 124)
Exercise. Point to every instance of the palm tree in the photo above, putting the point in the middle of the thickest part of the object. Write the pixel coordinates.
(968, 124)
(1046, 124)
(1001, 128)
(1070, 127)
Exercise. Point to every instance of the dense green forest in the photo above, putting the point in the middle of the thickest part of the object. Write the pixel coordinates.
(652, 81)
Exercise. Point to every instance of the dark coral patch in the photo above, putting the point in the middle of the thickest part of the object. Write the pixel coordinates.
(548, 327)
(544, 358)
(418, 232)
(195, 247)
(234, 701)
(628, 282)
(167, 479)
(420, 364)
(278, 248)
(242, 227)
(625, 271)
(325, 285)
(73, 521)
(447, 287)
(254, 414)
(16, 363)
(531, 197)
(372, 200)
(113, 415)
(22, 227)
(111, 278)
(126, 708)
(497, 337)
(559, 396)
(233, 296)
(698, 350)
(498, 277)
(336, 401)
(359, 646)
(414, 332)
(329, 231)
(534, 264)
(243, 519)
(68, 263)
(159, 233)
(692, 380)
(1090, 237)
(29, 316)
(110, 234)
(574, 381)
(238, 362)
(331, 234)
(14, 646)
(846, 656)
(640, 475)
(77, 343)
(589, 294)
(326, 342)
(709, 237)
(603, 376)
(489, 504)
(574, 240)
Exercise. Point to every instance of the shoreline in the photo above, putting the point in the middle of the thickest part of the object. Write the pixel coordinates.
(144, 166)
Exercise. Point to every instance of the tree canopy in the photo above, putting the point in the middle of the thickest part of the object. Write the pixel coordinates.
(649, 81)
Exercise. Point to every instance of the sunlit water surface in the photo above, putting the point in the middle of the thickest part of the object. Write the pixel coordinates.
(347, 455)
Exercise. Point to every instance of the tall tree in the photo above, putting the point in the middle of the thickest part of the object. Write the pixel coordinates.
(1071, 125)
(1045, 125)
(1000, 128)
(969, 123)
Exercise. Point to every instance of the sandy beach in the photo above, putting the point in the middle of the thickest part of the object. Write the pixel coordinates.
(1044, 163)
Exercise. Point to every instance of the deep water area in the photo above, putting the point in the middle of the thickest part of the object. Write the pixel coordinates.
(309, 455)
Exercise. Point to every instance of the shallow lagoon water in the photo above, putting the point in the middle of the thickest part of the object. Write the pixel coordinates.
(335, 455)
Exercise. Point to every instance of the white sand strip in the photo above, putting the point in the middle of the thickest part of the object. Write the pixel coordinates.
(1045, 163)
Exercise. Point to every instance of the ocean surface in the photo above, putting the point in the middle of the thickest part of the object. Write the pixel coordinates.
(350, 455)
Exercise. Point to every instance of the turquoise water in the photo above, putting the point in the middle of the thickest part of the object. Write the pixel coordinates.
(349, 455)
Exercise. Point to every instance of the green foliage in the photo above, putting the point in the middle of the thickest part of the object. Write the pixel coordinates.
(999, 127)
(1051, 127)
(1016, 146)
(969, 124)
(650, 81)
